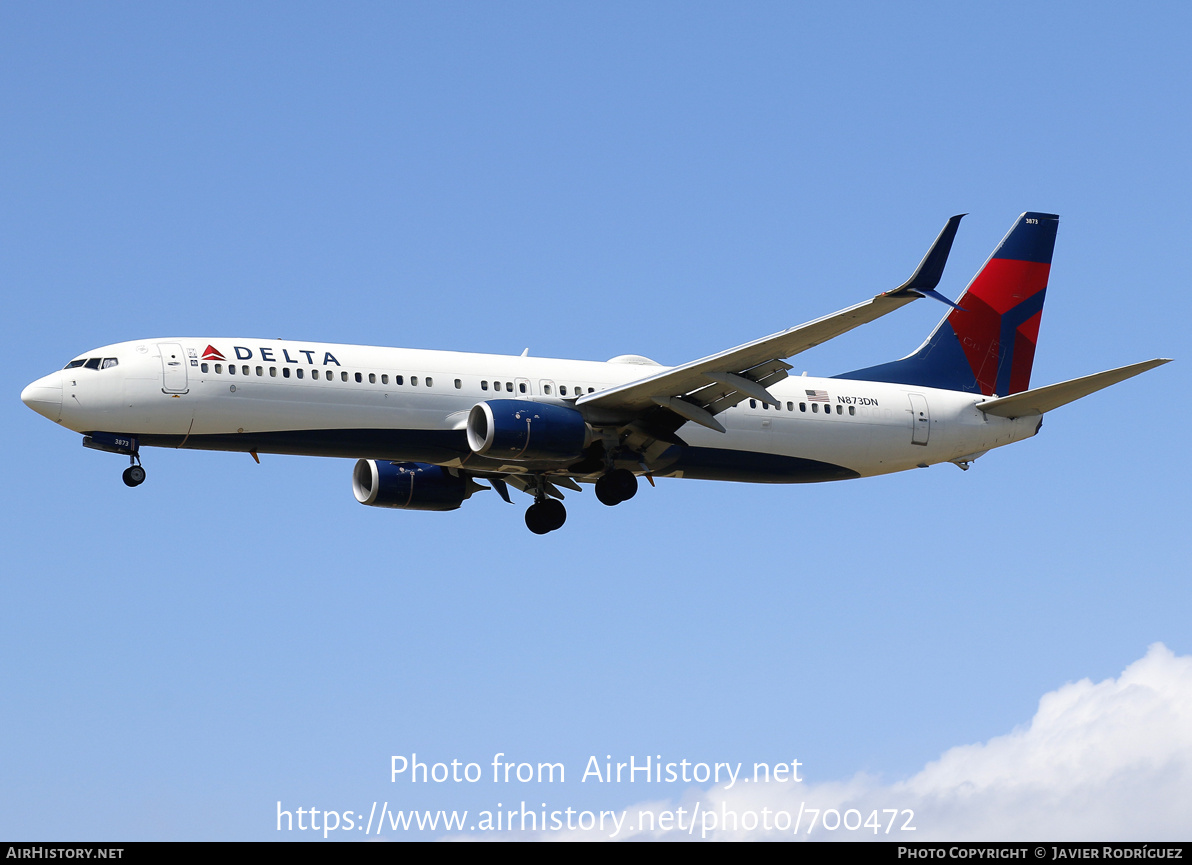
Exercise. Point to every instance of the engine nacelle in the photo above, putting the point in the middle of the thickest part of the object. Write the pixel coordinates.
(520, 430)
(410, 486)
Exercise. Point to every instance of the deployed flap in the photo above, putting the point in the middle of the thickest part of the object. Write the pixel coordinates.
(1043, 399)
(759, 362)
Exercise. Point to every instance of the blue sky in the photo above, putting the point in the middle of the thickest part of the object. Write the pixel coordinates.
(586, 180)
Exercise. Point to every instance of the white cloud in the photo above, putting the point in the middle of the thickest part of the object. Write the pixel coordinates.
(1100, 762)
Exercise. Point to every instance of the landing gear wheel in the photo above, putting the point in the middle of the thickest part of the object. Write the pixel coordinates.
(606, 491)
(555, 512)
(617, 486)
(536, 520)
(626, 483)
(133, 476)
(545, 516)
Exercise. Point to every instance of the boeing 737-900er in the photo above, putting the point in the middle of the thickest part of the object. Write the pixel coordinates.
(428, 426)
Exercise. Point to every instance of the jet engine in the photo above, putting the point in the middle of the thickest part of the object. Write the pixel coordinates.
(520, 430)
(410, 486)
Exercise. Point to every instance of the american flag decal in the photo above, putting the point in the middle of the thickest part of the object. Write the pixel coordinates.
(817, 395)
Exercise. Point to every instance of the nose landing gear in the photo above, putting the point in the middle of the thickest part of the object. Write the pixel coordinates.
(120, 443)
(134, 475)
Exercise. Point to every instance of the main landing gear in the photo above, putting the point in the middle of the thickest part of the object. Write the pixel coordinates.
(616, 486)
(548, 514)
(545, 515)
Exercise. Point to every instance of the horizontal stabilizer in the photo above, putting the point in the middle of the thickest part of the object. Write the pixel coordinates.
(1043, 399)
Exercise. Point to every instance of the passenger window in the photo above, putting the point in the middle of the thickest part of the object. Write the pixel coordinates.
(397, 379)
(546, 389)
(203, 367)
(385, 378)
(802, 406)
(343, 376)
(509, 386)
(219, 368)
(852, 409)
(521, 386)
(815, 408)
(273, 372)
(790, 406)
(458, 384)
(231, 369)
(298, 372)
(244, 369)
(765, 406)
(285, 372)
(753, 403)
(413, 381)
(484, 385)
(839, 409)
(591, 390)
(429, 381)
(260, 370)
(314, 373)
(562, 390)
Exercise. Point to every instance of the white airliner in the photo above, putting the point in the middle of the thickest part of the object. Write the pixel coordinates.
(427, 426)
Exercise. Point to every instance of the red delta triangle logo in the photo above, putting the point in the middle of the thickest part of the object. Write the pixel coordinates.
(212, 353)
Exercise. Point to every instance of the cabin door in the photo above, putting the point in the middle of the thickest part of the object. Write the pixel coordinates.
(920, 419)
(173, 367)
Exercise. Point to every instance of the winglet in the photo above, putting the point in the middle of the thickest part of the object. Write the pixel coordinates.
(927, 275)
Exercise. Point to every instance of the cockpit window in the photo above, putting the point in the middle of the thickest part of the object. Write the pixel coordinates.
(109, 362)
(92, 363)
(75, 364)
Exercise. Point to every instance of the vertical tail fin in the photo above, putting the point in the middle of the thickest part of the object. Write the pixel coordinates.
(987, 345)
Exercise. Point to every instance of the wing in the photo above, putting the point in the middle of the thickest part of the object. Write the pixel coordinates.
(699, 390)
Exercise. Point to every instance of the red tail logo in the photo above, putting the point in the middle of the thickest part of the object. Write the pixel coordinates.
(212, 353)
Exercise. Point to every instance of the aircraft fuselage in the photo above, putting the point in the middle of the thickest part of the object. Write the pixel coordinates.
(319, 399)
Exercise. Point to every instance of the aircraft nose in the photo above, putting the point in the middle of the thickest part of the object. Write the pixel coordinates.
(44, 396)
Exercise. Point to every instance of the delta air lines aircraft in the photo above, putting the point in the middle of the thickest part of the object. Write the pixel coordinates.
(429, 428)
